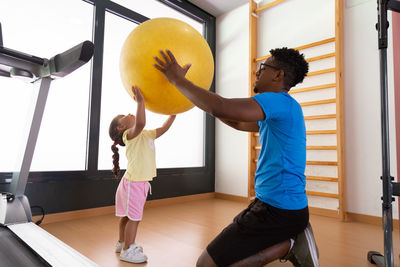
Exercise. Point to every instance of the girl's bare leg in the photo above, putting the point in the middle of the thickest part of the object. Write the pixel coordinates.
(130, 233)
(122, 224)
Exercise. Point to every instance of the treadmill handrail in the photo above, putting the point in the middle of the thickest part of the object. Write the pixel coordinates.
(21, 56)
(58, 66)
(64, 63)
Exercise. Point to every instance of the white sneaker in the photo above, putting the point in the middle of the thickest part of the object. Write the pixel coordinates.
(120, 245)
(133, 254)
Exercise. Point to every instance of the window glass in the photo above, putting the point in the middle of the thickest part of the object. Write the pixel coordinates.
(45, 28)
(17, 101)
(154, 9)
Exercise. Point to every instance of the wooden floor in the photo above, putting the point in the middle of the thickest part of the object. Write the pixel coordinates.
(175, 235)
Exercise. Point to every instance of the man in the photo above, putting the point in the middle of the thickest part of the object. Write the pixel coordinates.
(275, 225)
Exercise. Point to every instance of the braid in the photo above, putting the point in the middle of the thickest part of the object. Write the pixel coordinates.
(116, 136)
(115, 156)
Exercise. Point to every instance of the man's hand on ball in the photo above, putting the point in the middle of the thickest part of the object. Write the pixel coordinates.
(170, 67)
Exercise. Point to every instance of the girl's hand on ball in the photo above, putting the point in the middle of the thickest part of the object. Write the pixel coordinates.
(137, 94)
(170, 67)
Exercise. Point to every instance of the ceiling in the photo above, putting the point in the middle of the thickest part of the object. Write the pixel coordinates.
(218, 7)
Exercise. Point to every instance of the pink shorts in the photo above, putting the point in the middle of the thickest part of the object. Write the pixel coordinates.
(130, 199)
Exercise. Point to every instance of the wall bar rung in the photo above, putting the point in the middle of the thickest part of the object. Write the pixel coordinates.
(318, 102)
(310, 147)
(262, 58)
(322, 178)
(326, 41)
(322, 163)
(322, 194)
(319, 72)
(320, 117)
(309, 133)
(269, 5)
(321, 147)
(313, 88)
(322, 132)
(311, 59)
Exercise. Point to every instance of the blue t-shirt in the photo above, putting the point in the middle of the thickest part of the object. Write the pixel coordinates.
(279, 178)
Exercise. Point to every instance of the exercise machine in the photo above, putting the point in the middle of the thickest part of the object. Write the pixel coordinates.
(23, 243)
(390, 188)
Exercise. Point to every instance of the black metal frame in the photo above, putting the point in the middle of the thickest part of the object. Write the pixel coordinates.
(389, 188)
(174, 182)
(1, 36)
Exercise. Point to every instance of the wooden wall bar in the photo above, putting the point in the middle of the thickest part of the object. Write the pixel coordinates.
(337, 116)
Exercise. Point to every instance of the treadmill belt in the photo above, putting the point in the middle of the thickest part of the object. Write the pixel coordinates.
(15, 253)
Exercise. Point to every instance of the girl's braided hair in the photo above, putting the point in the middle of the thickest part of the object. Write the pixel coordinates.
(116, 136)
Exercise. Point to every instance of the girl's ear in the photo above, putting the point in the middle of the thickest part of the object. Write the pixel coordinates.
(120, 127)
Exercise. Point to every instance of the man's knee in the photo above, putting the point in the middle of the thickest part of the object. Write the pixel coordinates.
(205, 260)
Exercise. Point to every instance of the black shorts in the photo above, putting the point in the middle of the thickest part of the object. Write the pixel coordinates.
(256, 228)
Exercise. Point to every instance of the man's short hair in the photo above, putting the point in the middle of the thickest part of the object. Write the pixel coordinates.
(292, 63)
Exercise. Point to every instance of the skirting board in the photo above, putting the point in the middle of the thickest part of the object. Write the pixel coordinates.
(355, 217)
(79, 214)
(232, 197)
(324, 212)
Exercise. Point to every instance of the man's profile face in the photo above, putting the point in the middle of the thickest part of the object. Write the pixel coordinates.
(264, 75)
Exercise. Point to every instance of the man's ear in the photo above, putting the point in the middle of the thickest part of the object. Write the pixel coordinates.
(282, 74)
(279, 75)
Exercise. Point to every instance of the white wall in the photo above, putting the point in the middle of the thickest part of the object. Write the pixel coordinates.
(232, 67)
(362, 105)
(362, 109)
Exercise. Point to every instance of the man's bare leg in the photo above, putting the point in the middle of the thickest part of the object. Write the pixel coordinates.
(263, 257)
(205, 260)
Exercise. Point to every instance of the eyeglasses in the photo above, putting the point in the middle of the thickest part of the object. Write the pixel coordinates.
(260, 68)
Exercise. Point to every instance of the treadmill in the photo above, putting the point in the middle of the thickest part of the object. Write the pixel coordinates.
(22, 242)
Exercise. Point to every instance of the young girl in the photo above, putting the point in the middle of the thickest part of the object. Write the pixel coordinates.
(127, 130)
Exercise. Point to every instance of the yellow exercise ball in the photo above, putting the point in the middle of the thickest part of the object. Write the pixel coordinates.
(145, 42)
